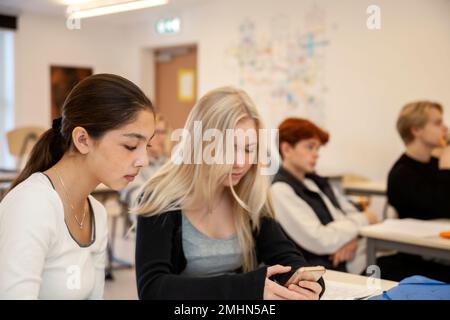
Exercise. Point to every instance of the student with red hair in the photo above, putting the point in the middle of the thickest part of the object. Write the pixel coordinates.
(316, 216)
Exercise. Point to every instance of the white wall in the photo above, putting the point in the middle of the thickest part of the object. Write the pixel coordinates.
(369, 74)
(42, 41)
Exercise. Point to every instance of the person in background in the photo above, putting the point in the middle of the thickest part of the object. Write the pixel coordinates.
(158, 157)
(53, 233)
(316, 216)
(418, 183)
(206, 227)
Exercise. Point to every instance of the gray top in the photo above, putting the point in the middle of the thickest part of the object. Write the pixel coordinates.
(206, 256)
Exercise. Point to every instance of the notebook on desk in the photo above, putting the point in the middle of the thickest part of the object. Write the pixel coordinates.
(344, 291)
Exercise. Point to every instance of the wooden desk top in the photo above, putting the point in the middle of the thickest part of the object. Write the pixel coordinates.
(8, 176)
(374, 187)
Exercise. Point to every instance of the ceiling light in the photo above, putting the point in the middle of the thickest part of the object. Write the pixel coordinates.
(115, 7)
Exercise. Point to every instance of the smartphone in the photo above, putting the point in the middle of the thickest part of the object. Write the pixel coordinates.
(306, 273)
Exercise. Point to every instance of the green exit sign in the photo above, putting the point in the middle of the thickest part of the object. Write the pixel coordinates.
(168, 26)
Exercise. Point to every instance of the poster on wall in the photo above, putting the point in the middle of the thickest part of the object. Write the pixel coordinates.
(186, 85)
(280, 61)
(62, 80)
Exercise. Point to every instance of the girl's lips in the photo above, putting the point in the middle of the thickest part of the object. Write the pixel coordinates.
(130, 178)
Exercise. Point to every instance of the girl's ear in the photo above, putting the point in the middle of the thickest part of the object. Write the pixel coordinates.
(81, 140)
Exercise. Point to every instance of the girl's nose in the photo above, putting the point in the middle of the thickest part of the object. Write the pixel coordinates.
(142, 160)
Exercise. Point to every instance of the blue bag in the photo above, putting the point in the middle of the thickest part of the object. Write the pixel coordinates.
(417, 288)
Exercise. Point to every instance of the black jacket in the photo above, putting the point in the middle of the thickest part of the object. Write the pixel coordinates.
(317, 204)
(419, 190)
(160, 260)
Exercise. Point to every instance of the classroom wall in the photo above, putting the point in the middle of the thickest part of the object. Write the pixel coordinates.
(42, 41)
(367, 75)
(364, 76)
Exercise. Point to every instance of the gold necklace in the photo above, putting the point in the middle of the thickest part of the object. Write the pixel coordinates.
(80, 223)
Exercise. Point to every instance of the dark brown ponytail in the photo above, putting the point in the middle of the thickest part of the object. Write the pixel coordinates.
(98, 103)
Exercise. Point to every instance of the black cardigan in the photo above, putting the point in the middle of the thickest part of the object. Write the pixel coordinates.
(160, 260)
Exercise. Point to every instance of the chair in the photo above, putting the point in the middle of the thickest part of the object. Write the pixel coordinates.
(21, 140)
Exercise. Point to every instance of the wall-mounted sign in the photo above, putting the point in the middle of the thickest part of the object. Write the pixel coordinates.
(186, 85)
(168, 26)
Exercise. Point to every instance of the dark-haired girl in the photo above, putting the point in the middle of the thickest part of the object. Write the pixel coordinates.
(53, 234)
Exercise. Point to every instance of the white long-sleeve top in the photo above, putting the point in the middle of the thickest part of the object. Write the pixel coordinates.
(301, 223)
(39, 259)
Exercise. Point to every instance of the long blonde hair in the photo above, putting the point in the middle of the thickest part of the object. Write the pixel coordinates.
(177, 186)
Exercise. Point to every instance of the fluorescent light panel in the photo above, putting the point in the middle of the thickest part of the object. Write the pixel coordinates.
(114, 8)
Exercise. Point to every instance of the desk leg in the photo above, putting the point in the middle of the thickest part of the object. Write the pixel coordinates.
(385, 210)
(371, 252)
(108, 269)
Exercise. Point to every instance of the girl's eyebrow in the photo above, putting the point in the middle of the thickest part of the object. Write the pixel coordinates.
(137, 135)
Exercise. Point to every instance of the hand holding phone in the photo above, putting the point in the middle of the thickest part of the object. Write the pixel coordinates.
(306, 274)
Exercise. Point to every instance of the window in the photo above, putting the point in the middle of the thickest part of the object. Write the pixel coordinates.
(6, 94)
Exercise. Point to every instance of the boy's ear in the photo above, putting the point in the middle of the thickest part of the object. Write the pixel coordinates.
(285, 148)
(81, 140)
(415, 131)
